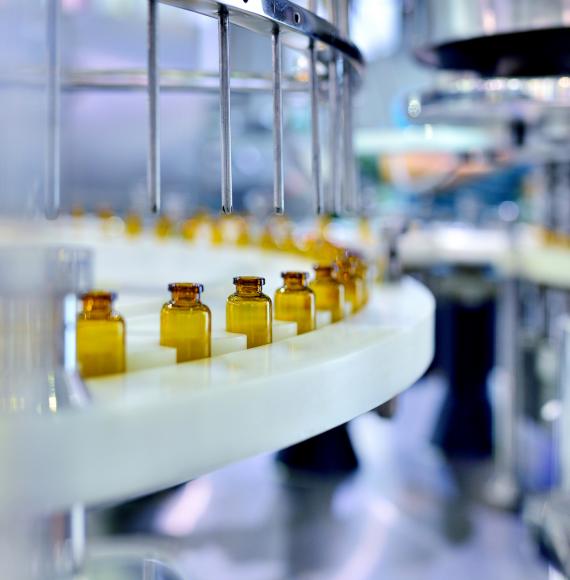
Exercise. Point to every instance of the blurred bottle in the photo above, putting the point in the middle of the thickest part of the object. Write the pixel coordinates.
(163, 227)
(360, 268)
(329, 292)
(100, 336)
(243, 237)
(365, 231)
(105, 215)
(353, 288)
(249, 311)
(133, 224)
(189, 228)
(295, 302)
(217, 232)
(267, 239)
(77, 211)
(186, 323)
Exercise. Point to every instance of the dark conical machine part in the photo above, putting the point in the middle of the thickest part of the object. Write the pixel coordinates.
(529, 53)
(505, 38)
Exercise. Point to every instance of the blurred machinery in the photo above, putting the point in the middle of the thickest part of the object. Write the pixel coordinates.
(60, 450)
(505, 66)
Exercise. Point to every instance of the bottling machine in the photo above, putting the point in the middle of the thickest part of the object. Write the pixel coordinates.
(66, 443)
(505, 65)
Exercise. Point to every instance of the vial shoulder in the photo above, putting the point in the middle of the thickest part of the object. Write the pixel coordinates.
(237, 299)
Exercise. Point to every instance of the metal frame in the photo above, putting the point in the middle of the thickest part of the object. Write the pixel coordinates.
(287, 24)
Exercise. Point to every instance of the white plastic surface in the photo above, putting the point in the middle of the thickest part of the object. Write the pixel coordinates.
(156, 427)
(525, 256)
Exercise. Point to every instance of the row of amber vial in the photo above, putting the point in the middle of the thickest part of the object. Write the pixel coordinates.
(186, 323)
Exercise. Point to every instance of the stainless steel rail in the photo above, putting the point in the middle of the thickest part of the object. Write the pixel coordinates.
(153, 167)
(53, 162)
(315, 131)
(288, 24)
(225, 111)
(175, 80)
(278, 185)
(298, 26)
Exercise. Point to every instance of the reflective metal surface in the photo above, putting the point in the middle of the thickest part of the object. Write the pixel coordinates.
(176, 80)
(38, 313)
(494, 37)
(315, 131)
(225, 110)
(278, 184)
(296, 24)
(53, 161)
(466, 99)
(153, 163)
(407, 514)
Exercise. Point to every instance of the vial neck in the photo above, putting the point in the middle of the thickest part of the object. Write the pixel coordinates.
(249, 289)
(97, 307)
(323, 274)
(346, 268)
(294, 283)
(186, 297)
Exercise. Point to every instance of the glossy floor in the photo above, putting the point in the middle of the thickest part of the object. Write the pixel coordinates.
(405, 515)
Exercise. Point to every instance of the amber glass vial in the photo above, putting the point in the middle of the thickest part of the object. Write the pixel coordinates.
(361, 271)
(186, 323)
(243, 238)
(353, 286)
(163, 227)
(295, 302)
(249, 311)
(133, 224)
(217, 232)
(329, 292)
(100, 336)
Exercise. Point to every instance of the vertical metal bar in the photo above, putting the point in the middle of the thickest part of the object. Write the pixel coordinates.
(563, 424)
(348, 193)
(225, 118)
(278, 186)
(315, 133)
(333, 202)
(348, 161)
(150, 570)
(153, 163)
(53, 161)
(77, 538)
(503, 489)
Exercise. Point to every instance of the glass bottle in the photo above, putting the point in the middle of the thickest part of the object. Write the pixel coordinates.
(267, 240)
(361, 272)
(133, 224)
(77, 211)
(163, 227)
(188, 229)
(295, 302)
(100, 336)
(186, 323)
(329, 292)
(353, 287)
(217, 232)
(249, 311)
(243, 238)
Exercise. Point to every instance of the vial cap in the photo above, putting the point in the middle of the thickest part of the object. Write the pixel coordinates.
(188, 286)
(98, 295)
(298, 275)
(325, 267)
(249, 280)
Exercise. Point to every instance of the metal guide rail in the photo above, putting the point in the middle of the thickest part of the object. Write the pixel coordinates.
(287, 24)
